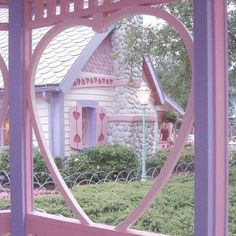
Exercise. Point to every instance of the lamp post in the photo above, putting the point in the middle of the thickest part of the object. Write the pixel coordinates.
(143, 96)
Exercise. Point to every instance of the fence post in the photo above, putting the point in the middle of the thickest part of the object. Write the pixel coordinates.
(211, 123)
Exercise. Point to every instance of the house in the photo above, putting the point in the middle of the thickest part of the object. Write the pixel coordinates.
(84, 95)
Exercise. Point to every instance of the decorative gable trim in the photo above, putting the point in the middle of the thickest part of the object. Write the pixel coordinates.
(79, 64)
(93, 82)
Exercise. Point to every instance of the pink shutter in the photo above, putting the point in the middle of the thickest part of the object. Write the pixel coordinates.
(101, 131)
(76, 127)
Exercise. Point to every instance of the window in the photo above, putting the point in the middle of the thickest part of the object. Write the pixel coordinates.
(87, 126)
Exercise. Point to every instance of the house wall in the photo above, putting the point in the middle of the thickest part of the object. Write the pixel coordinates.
(129, 130)
(103, 95)
(126, 102)
(43, 113)
(130, 134)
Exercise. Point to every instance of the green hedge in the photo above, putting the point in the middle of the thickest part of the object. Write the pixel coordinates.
(158, 160)
(110, 203)
(104, 158)
(4, 161)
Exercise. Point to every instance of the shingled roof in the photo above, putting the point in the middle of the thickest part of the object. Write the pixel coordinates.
(58, 57)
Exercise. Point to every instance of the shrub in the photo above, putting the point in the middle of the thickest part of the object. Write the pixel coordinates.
(39, 164)
(158, 160)
(170, 116)
(105, 158)
(4, 161)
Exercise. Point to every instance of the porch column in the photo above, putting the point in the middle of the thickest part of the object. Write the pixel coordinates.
(20, 128)
(211, 123)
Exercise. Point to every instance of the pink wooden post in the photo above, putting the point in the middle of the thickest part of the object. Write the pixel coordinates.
(51, 8)
(78, 5)
(39, 9)
(65, 6)
(20, 131)
(211, 163)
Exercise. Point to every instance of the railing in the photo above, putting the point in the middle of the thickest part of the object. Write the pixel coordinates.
(44, 181)
(49, 12)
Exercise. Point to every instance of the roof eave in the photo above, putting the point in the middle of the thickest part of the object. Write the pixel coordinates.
(158, 88)
(81, 61)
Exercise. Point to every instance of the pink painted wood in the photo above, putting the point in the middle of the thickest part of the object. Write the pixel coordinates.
(48, 225)
(49, 160)
(4, 106)
(4, 222)
(173, 158)
(211, 160)
(39, 10)
(65, 6)
(130, 117)
(101, 126)
(82, 9)
(40, 224)
(221, 119)
(76, 127)
(187, 122)
(51, 8)
(78, 5)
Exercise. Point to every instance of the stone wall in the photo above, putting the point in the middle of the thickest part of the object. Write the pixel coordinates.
(125, 100)
(120, 49)
(130, 134)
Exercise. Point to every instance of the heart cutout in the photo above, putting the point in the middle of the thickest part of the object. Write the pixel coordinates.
(76, 115)
(101, 137)
(77, 139)
(102, 115)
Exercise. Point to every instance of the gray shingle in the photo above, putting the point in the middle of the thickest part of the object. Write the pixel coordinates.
(59, 55)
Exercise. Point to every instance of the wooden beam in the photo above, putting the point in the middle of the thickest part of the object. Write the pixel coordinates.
(211, 122)
(48, 225)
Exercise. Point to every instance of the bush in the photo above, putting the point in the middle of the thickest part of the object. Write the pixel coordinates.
(110, 203)
(39, 164)
(158, 160)
(4, 161)
(170, 116)
(105, 158)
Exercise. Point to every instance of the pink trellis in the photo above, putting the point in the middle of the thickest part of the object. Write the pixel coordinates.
(99, 15)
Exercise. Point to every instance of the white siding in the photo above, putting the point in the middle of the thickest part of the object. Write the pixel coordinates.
(103, 95)
(42, 109)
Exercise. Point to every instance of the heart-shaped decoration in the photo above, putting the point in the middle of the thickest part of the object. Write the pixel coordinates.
(77, 139)
(76, 115)
(101, 137)
(102, 115)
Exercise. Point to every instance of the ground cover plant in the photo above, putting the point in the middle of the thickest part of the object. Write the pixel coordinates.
(171, 213)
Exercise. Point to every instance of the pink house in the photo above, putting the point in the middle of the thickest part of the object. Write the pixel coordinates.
(207, 108)
(84, 95)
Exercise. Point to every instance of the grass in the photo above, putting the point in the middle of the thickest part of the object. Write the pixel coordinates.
(110, 203)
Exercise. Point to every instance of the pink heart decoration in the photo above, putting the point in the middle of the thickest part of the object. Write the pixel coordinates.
(77, 139)
(101, 137)
(102, 115)
(76, 115)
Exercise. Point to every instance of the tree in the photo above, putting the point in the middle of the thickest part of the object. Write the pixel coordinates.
(168, 52)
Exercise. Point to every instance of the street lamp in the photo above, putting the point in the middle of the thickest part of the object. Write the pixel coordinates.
(143, 97)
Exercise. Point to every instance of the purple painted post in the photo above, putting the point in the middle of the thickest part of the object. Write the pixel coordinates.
(211, 161)
(20, 136)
